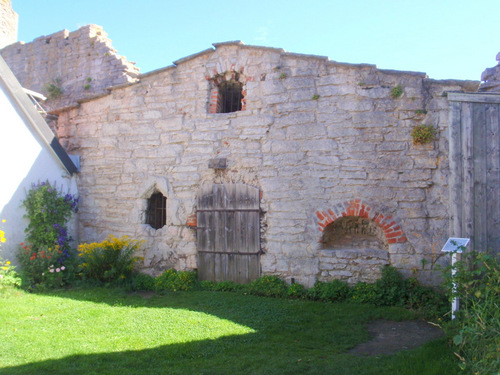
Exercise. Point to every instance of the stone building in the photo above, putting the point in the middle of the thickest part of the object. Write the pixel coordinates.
(325, 149)
(8, 23)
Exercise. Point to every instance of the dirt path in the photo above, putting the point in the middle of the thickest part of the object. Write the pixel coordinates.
(389, 337)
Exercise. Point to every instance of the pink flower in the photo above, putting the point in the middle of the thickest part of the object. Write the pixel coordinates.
(63, 268)
(51, 270)
(58, 269)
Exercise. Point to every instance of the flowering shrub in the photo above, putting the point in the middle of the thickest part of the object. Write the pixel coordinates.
(8, 275)
(109, 260)
(47, 239)
(48, 211)
(54, 276)
(36, 264)
(2, 236)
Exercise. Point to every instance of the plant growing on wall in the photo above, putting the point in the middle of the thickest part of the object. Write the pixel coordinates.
(423, 134)
(47, 240)
(54, 89)
(396, 92)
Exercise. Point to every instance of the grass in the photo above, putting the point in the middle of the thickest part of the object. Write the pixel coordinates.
(107, 331)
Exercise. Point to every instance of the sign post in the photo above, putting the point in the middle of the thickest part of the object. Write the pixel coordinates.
(454, 245)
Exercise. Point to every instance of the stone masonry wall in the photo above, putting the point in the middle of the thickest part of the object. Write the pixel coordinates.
(491, 78)
(82, 64)
(8, 23)
(320, 139)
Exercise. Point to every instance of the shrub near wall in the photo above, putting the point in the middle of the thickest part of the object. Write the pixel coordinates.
(108, 261)
(8, 275)
(46, 257)
(476, 329)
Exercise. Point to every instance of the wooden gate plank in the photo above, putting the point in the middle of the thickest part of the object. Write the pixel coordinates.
(228, 226)
(468, 168)
(479, 175)
(493, 177)
(456, 168)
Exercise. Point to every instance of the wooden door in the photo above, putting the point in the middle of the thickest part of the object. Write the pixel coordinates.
(228, 233)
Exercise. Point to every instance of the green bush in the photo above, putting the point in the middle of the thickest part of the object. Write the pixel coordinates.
(269, 286)
(425, 299)
(173, 280)
(142, 281)
(332, 291)
(390, 288)
(296, 290)
(108, 261)
(363, 293)
(222, 286)
(476, 329)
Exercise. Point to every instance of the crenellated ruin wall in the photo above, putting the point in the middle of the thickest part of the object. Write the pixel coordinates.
(68, 67)
(8, 23)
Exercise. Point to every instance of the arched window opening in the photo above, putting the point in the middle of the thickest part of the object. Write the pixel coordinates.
(156, 213)
(230, 97)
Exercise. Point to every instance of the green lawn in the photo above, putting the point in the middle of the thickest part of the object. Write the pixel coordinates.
(107, 331)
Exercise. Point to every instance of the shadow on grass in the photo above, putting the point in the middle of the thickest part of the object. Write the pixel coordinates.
(241, 355)
(292, 337)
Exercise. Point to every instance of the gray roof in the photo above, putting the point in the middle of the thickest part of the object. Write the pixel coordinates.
(30, 115)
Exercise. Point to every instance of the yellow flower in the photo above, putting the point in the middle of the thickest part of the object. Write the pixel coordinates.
(3, 221)
(8, 262)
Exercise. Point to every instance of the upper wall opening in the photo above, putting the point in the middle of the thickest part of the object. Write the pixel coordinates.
(227, 93)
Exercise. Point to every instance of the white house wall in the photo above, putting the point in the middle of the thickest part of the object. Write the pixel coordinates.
(25, 160)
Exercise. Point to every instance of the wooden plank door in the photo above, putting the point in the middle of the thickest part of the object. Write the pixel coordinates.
(475, 169)
(228, 232)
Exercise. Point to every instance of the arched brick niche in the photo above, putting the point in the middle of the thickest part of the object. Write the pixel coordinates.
(392, 231)
(355, 241)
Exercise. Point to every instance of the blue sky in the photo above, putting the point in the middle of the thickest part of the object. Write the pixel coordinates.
(443, 38)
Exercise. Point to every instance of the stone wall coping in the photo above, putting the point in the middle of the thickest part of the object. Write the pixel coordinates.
(156, 71)
(482, 97)
(305, 56)
(454, 82)
(193, 56)
(405, 72)
(229, 43)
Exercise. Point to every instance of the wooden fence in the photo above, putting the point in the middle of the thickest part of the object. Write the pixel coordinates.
(475, 169)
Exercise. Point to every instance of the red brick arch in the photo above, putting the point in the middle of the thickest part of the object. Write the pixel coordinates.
(392, 230)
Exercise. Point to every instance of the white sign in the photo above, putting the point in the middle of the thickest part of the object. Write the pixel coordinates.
(455, 244)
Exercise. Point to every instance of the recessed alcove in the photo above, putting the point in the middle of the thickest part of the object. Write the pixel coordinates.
(352, 249)
(352, 232)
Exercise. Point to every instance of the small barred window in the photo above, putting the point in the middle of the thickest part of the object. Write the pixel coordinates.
(230, 96)
(156, 213)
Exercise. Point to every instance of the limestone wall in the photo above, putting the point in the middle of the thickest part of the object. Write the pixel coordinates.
(69, 66)
(8, 23)
(491, 78)
(321, 139)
